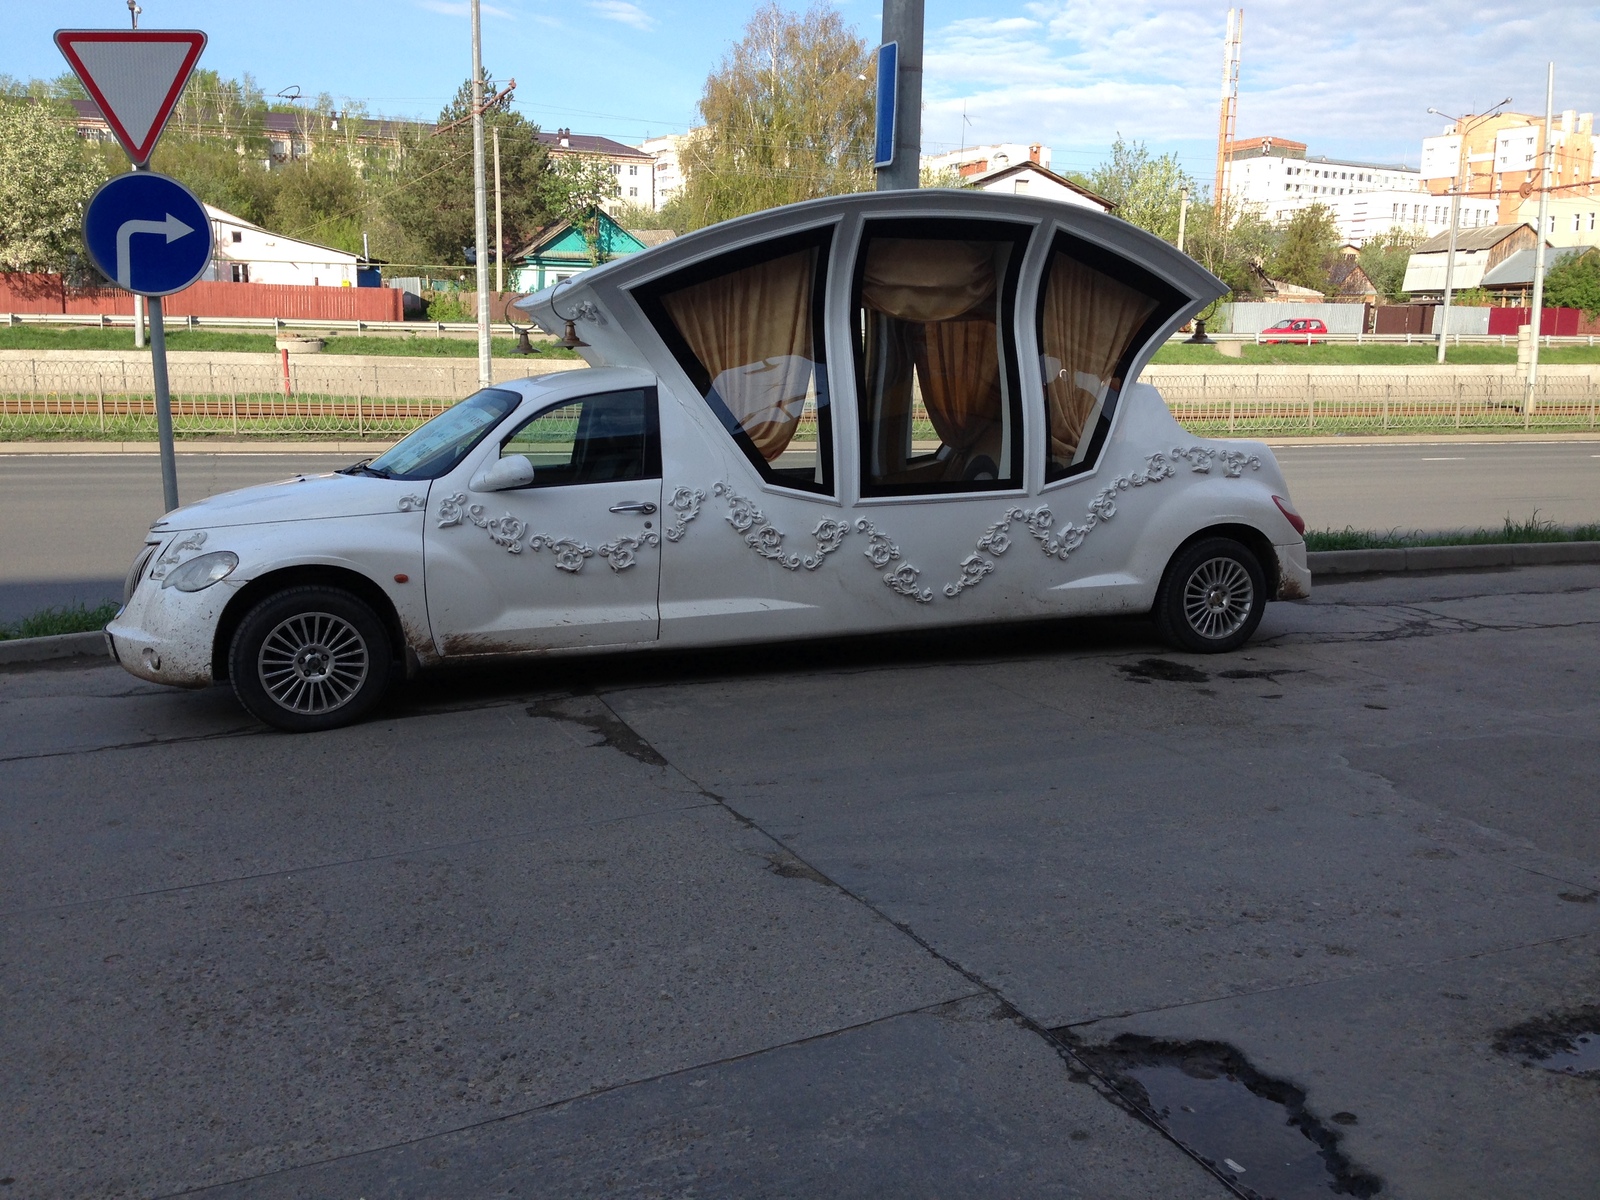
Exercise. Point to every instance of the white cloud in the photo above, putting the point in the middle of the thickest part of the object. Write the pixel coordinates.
(623, 12)
(1351, 80)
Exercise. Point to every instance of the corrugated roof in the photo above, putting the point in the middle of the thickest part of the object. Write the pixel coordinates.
(1517, 269)
(586, 143)
(1484, 237)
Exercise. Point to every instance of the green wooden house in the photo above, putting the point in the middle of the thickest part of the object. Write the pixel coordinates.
(559, 251)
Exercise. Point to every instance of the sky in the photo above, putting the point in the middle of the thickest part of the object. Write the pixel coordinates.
(1352, 79)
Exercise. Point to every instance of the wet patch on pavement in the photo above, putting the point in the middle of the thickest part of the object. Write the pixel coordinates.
(1253, 1130)
(1148, 670)
(1567, 1043)
(600, 726)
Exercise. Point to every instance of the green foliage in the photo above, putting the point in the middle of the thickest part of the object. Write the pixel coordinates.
(412, 345)
(576, 190)
(429, 206)
(639, 216)
(1512, 532)
(945, 177)
(1310, 240)
(1147, 191)
(1575, 283)
(1384, 259)
(447, 306)
(788, 117)
(50, 622)
(1230, 242)
(46, 177)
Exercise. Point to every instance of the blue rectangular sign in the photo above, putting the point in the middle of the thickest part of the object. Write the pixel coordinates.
(888, 94)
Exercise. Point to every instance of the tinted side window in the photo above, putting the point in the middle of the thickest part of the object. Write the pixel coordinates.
(1097, 310)
(936, 368)
(599, 439)
(746, 327)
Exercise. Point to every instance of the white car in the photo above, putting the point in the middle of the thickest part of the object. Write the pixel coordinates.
(876, 412)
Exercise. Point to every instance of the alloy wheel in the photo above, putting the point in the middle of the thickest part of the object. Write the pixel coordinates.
(1217, 598)
(313, 663)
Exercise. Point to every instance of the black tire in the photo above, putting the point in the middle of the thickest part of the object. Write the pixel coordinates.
(310, 658)
(1212, 597)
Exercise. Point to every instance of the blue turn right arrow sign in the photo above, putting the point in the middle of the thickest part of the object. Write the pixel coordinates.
(148, 233)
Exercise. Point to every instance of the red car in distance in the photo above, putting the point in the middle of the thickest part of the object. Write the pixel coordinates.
(1296, 330)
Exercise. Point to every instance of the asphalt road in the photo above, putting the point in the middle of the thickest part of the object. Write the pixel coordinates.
(844, 920)
(74, 522)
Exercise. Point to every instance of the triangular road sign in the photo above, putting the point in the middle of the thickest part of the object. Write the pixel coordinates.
(135, 76)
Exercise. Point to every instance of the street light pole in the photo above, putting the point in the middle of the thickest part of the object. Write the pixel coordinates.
(499, 236)
(902, 23)
(1538, 245)
(480, 216)
(1455, 212)
(1183, 215)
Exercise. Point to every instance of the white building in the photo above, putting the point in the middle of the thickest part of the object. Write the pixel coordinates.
(1275, 178)
(982, 160)
(1571, 220)
(1030, 179)
(247, 253)
(669, 177)
(633, 167)
(1364, 215)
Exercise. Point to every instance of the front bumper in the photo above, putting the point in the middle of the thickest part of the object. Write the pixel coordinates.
(1294, 577)
(166, 636)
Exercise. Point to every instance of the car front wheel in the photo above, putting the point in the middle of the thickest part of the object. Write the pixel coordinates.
(1212, 597)
(310, 658)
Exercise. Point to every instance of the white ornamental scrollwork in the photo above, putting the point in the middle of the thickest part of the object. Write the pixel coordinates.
(685, 507)
(622, 553)
(903, 581)
(880, 552)
(453, 508)
(569, 553)
(767, 540)
(412, 503)
(973, 568)
(167, 561)
(1234, 462)
(507, 531)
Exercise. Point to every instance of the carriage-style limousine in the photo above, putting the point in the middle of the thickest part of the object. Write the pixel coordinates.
(886, 411)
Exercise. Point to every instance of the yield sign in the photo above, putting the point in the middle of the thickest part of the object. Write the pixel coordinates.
(135, 76)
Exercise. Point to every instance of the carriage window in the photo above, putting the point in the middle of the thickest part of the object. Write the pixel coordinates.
(936, 365)
(747, 328)
(1096, 312)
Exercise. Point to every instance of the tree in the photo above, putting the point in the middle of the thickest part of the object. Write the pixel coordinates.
(1230, 241)
(1147, 191)
(1309, 242)
(430, 204)
(576, 189)
(46, 177)
(1575, 283)
(1384, 258)
(788, 117)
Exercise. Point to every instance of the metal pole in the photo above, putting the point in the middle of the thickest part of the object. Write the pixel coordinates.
(902, 23)
(158, 369)
(1450, 264)
(480, 216)
(499, 237)
(1183, 216)
(138, 322)
(1538, 245)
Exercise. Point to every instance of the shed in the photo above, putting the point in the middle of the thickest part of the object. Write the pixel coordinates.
(560, 251)
(1477, 252)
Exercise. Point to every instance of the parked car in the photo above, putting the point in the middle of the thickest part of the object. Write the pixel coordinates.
(1299, 330)
(867, 413)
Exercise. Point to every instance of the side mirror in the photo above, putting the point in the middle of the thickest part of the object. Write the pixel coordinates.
(510, 472)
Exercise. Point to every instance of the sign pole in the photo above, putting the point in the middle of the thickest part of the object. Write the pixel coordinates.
(902, 27)
(158, 371)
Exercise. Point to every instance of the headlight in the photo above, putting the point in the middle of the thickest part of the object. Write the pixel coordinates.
(202, 571)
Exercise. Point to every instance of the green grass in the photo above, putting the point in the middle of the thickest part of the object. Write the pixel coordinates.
(1531, 530)
(1422, 354)
(74, 618)
(34, 337)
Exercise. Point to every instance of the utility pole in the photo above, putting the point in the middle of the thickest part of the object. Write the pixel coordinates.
(499, 237)
(1450, 263)
(902, 24)
(480, 216)
(1183, 214)
(1538, 246)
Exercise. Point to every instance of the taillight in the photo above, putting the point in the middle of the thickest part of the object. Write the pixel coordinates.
(1287, 510)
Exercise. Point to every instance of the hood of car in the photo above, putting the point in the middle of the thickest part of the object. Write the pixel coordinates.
(300, 498)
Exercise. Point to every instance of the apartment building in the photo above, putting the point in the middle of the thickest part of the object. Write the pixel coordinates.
(668, 171)
(633, 167)
(1502, 156)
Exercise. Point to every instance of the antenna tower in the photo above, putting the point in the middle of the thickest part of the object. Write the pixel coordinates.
(1227, 124)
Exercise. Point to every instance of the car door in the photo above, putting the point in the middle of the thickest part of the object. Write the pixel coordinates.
(569, 558)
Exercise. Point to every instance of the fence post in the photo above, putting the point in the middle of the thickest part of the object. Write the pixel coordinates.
(1311, 405)
(233, 401)
(1459, 385)
(360, 427)
(100, 398)
(1387, 388)
(1232, 400)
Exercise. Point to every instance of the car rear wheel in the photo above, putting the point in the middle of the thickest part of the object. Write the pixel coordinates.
(310, 658)
(1212, 597)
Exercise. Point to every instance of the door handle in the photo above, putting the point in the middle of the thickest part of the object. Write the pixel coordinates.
(635, 506)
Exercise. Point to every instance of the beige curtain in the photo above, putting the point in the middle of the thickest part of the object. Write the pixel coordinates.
(751, 329)
(958, 363)
(1089, 319)
(917, 280)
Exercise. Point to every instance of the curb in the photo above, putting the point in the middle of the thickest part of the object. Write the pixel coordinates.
(61, 645)
(1449, 558)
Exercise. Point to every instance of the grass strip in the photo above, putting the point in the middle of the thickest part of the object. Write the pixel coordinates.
(410, 345)
(1530, 530)
(1385, 354)
(68, 618)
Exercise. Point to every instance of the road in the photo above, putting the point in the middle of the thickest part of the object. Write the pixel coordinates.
(848, 920)
(74, 521)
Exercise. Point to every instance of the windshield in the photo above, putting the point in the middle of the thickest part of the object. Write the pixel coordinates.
(435, 448)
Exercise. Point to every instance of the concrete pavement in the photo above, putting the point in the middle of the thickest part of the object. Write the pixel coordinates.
(796, 920)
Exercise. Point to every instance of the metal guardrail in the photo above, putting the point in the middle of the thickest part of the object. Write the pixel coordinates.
(275, 324)
(1505, 340)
